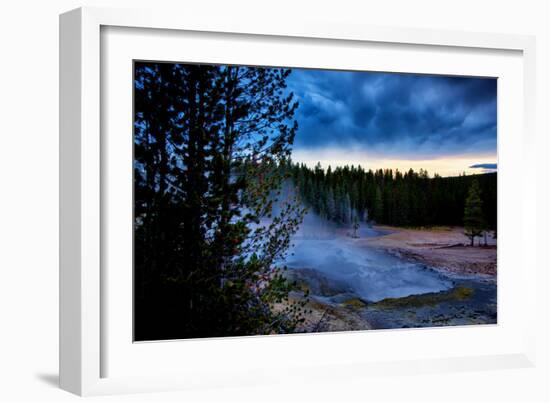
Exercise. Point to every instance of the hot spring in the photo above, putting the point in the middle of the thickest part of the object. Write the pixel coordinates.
(369, 273)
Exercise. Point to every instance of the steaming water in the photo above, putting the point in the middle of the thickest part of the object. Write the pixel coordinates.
(369, 273)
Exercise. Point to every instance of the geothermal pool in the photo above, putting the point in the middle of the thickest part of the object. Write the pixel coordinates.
(370, 274)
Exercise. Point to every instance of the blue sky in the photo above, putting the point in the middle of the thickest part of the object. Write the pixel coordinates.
(448, 124)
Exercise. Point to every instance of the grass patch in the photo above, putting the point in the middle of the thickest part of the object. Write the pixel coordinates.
(429, 299)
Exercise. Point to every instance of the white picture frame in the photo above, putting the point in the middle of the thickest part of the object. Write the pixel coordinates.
(83, 307)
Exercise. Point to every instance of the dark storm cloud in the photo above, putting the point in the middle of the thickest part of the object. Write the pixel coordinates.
(411, 115)
(484, 166)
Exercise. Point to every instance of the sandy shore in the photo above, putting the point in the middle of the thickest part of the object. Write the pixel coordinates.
(445, 248)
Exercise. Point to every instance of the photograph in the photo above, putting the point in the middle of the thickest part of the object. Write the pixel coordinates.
(274, 200)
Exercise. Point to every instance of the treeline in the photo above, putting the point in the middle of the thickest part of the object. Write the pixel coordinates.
(350, 194)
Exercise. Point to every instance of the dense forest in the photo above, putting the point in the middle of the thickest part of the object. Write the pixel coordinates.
(348, 194)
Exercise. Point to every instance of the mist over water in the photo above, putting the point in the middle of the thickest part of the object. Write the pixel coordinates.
(368, 273)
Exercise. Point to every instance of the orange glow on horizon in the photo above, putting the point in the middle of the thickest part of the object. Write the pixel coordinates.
(443, 165)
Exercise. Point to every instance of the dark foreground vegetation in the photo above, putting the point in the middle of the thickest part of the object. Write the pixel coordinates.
(207, 142)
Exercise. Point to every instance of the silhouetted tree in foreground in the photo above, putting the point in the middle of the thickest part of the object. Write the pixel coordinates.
(209, 144)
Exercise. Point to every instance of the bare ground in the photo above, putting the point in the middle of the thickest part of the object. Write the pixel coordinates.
(445, 248)
(322, 317)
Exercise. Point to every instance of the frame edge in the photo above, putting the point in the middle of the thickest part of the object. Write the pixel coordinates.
(79, 312)
(70, 120)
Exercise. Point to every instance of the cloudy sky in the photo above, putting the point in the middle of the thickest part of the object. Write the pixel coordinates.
(443, 124)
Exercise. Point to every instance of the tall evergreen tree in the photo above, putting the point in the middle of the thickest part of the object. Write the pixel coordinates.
(331, 205)
(212, 144)
(395, 199)
(378, 205)
(474, 224)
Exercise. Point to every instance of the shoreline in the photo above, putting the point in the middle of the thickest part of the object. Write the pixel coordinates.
(442, 249)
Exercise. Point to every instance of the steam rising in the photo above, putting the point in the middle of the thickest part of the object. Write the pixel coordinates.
(371, 274)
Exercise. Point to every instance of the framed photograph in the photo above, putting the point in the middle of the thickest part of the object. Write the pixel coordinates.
(245, 202)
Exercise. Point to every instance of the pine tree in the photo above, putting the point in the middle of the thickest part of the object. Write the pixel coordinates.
(474, 224)
(378, 207)
(346, 209)
(396, 199)
(331, 205)
(212, 144)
